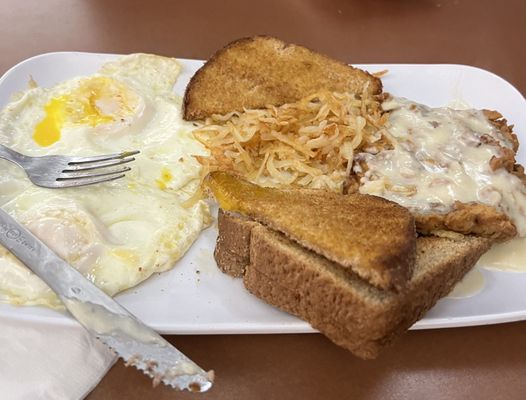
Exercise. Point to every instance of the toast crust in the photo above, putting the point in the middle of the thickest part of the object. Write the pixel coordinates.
(257, 71)
(232, 251)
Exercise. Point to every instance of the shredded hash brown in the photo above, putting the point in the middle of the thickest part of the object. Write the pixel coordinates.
(310, 143)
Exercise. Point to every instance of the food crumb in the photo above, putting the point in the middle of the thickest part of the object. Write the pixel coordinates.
(194, 387)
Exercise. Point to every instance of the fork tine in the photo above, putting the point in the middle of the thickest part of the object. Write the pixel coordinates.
(98, 164)
(84, 175)
(84, 160)
(85, 181)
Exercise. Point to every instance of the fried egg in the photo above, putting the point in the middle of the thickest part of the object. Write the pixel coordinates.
(117, 233)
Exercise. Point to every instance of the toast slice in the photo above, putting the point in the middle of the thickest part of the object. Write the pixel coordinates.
(370, 236)
(342, 306)
(261, 70)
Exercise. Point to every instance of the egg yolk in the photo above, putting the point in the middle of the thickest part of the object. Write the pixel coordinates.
(166, 177)
(95, 101)
(48, 130)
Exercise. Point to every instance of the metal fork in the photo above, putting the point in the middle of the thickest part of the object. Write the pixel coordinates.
(63, 171)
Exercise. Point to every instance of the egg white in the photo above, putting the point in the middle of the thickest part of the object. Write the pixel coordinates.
(121, 232)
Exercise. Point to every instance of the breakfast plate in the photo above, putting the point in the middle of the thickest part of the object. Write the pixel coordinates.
(196, 298)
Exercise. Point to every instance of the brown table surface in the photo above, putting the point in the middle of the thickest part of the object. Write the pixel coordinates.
(479, 362)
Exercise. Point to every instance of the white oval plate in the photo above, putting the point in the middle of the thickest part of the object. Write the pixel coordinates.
(184, 301)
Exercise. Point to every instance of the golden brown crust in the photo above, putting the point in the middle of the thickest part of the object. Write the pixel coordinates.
(468, 218)
(507, 159)
(256, 71)
(501, 124)
(518, 171)
(351, 313)
(373, 237)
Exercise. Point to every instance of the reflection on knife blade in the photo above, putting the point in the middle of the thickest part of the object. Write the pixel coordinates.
(100, 320)
(102, 316)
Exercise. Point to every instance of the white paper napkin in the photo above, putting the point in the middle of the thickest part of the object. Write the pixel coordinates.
(40, 361)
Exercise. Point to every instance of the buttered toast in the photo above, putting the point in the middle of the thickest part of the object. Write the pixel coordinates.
(257, 71)
(345, 308)
(324, 257)
(370, 236)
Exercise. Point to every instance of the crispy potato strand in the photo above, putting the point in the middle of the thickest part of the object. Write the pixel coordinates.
(310, 143)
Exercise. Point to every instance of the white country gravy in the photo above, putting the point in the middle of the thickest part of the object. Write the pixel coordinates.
(469, 286)
(508, 256)
(439, 157)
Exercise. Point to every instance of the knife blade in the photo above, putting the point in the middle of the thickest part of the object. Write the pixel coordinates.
(103, 317)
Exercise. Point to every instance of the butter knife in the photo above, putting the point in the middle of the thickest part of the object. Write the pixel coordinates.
(103, 317)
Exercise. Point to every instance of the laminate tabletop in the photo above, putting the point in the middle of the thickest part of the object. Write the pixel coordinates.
(484, 362)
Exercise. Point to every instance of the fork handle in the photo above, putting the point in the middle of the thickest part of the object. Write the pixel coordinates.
(10, 155)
